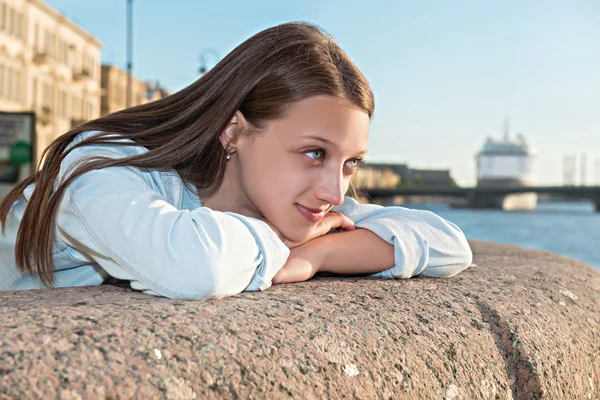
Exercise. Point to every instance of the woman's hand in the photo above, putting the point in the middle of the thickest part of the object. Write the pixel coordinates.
(331, 220)
(302, 264)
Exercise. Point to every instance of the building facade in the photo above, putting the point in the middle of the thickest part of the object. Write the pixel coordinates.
(48, 65)
(390, 175)
(114, 90)
(370, 177)
(507, 163)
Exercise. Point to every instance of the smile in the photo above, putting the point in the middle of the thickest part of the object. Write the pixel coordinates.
(310, 214)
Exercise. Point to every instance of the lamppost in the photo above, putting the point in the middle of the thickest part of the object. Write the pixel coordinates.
(129, 49)
(207, 56)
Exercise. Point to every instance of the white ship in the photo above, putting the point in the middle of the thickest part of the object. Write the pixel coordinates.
(507, 163)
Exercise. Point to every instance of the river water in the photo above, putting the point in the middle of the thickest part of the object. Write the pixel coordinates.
(572, 229)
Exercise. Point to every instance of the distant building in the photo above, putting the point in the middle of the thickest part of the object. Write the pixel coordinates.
(49, 65)
(156, 92)
(389, 175)
(114, 90)
(369, 178)
(507, 163)
(433, 177)
(402, 170)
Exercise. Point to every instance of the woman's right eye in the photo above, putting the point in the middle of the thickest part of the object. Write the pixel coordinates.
(319, 154)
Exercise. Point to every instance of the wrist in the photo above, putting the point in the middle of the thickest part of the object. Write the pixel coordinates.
(318, 251)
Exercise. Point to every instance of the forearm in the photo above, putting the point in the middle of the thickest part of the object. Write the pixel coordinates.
(355, 252)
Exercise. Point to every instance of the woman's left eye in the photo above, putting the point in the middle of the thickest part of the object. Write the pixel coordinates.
(319, 155)
(356, 163)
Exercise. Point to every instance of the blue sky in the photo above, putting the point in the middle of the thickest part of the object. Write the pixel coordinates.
(445, 73)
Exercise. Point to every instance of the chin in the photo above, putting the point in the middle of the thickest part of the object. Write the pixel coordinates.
(298, 235)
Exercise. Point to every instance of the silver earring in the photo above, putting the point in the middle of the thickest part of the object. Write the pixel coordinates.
(228, 153)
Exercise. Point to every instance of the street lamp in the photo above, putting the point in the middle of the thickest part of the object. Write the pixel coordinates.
(207, 57)
(129, 49)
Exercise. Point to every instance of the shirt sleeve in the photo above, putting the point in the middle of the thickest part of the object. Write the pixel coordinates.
(424, 243)
(117, 219)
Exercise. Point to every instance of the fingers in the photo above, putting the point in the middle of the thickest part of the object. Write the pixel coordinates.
(347, 224)
(335, 220)
(331, 220)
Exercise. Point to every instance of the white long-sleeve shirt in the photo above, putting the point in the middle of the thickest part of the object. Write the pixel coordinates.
(148, 227)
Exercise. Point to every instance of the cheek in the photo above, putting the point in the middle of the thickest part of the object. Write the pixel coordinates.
(265, 185)
(274, 187)
(280, 178)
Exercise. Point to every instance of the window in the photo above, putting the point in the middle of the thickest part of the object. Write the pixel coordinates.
(65, 53)
(14, 85)
(9, 83)
(18, 94)
(11, 18)
(36, 36)
(34, 92)
(2, 16)
(49, 44)
(65, 101)
(75, 108)
(70, 59)
(19, 25)
(47, 99)
(4, 81)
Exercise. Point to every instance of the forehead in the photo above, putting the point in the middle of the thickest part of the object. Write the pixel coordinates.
(336, 120)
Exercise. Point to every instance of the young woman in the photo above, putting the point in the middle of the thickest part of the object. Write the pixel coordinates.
(228, 185)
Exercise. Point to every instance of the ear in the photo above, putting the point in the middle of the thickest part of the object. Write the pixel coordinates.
(230, 135)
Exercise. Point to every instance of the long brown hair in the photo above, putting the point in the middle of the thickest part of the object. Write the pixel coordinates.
(260, 77)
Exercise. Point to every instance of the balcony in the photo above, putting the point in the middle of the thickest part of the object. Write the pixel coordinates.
(77, 121)
(81, 74)
(41, 58)
(44, 115)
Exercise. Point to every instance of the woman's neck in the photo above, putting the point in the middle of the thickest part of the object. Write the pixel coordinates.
(230, 197)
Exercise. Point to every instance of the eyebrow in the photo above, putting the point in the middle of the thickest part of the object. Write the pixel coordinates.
(329, 142)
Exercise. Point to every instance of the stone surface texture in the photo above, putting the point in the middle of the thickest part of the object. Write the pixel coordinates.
(522, 324)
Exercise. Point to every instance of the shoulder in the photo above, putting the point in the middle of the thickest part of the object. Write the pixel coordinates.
(158, 180)
(127, 149)
(120, 147)
(351, 206)
(126, 178)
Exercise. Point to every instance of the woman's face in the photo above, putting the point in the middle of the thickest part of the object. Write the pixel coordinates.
(302, 162)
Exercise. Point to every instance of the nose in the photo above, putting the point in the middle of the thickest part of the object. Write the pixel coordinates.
(332, 187)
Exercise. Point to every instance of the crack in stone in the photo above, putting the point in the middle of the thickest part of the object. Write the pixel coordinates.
(523, 379)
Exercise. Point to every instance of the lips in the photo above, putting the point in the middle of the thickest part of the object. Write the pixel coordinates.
(311, 214)
(315, 210)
